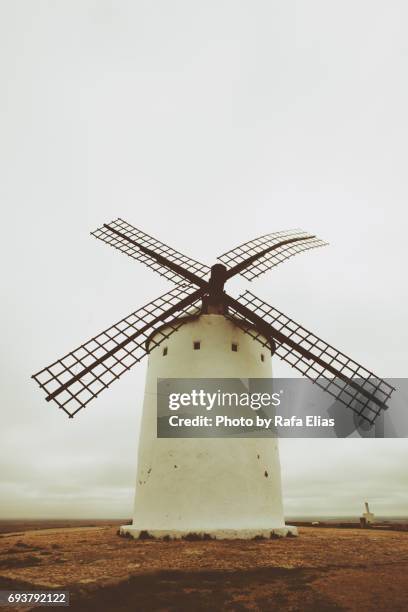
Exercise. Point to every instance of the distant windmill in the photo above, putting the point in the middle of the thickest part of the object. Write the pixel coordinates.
(368, 517)
(224, 488)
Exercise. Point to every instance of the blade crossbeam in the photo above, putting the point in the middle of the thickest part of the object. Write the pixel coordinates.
(351, 383)
(262, 256)
(266, 252)
(128, 239)
(74, 380)
(170, 265)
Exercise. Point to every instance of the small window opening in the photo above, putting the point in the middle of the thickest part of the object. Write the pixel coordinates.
(165, 351)
(234, 347)
(262, 357)
(196, 345)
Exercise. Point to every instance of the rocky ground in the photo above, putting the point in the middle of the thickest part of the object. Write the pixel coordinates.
(323, 569)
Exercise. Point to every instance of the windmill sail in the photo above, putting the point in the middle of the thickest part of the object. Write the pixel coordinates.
(75, 379)
(123, 236)
(78, 377)
(336, 373)
(257, 256)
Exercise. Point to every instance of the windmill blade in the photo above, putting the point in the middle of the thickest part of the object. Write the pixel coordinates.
(75, 379)
(257, 256)
(158, 256)
(333, 371)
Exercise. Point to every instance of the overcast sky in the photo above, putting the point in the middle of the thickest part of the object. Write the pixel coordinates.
(205, 124)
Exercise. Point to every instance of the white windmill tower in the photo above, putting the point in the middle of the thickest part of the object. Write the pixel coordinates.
(222, 488)
(210, 487)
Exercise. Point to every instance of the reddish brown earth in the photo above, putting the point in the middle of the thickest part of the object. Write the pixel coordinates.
(324, 569)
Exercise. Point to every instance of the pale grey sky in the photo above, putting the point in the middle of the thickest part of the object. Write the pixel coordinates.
(205, 124)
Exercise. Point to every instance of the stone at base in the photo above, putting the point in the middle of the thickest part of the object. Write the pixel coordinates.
(211, 534)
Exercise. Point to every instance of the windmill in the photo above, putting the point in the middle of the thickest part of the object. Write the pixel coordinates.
(220, 488)
(368, 517)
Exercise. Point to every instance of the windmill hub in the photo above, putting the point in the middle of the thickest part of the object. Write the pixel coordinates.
(214, 302)
(218, 277)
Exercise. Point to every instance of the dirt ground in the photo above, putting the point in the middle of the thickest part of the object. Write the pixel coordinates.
(323, 569)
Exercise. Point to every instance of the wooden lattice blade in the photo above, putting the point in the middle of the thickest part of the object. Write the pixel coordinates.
(280, 246)
(126, 230)
(78, 377)
(349, 382)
